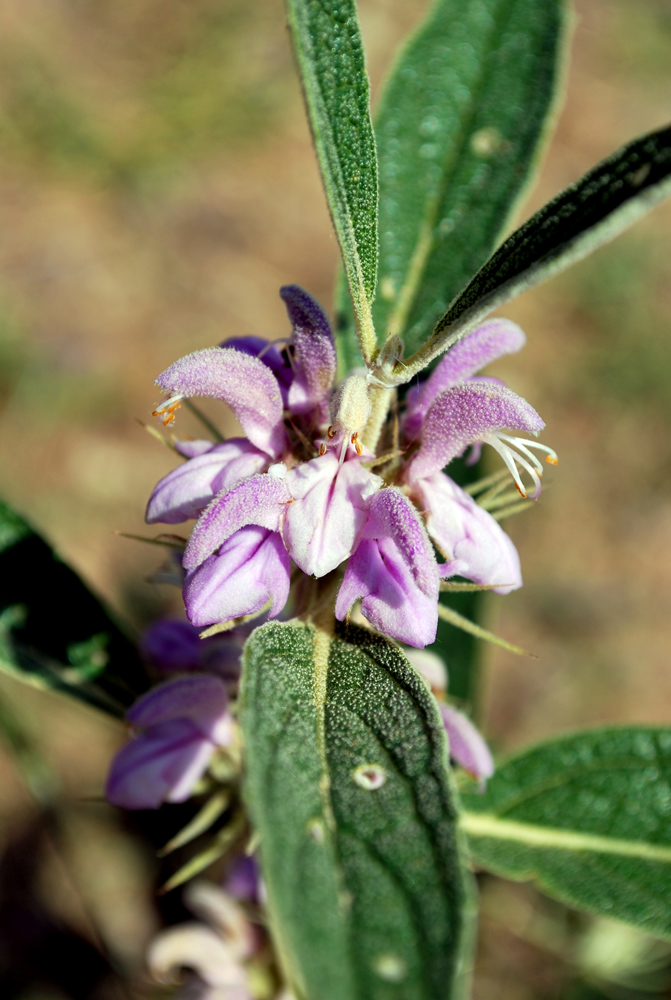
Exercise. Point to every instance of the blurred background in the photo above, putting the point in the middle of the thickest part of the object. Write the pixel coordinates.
(157, 186)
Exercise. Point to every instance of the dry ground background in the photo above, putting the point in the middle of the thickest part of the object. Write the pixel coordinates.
(157, 186)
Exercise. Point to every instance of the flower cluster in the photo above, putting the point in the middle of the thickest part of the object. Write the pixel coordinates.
(178, 726)
(359, 519)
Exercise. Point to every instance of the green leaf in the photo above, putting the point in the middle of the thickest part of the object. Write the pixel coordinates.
(587, 817)
(330, 57)
(54, 634)
(459, 128)
(347, 785)
(612, 196)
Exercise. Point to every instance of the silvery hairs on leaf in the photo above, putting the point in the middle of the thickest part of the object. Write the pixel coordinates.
(595, 209)
(347, 786)
(330, 57)
(586, 816)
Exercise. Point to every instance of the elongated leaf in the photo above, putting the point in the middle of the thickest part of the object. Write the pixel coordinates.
(458, 131)
(331, 63)
(346, 782)
(53, 632)
(612, 196)
(588, 817)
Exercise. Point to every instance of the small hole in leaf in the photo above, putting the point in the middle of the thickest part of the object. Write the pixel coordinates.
(390, 967)
(370, 776)
(486, 141)
(316, 830)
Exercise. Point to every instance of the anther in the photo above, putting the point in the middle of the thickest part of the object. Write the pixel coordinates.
(167, 410)
(330, 433)
(322, 448)
(516, 452)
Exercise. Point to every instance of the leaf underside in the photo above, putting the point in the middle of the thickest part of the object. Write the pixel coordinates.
(588, 818)
(54, 634)
(365, 888)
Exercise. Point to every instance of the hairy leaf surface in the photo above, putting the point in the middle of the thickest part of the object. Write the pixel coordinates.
(331, 64)
(458, 131)
(595, 209)
(347, 785)
(588, 818)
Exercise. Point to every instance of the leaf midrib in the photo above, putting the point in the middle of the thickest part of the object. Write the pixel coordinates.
(425, 241)
(488, 825)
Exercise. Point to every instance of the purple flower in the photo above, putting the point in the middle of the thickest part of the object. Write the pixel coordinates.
(241, 380)
(449, 412)
(316, 360)
(250, 572)
(178, 726)
(466, 745)
(235, 559)
(322, 524)
(243, 880)
(472, 542)
(271, 356)
(171, 645)
(479, 348)
(297, 488)
(188, 489)
(453, 410)
(395, 572)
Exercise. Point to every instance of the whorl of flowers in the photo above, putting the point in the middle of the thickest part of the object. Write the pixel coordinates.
(325, 496)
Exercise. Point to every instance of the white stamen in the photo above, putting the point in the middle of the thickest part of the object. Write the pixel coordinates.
(525, 445)
(512, 457)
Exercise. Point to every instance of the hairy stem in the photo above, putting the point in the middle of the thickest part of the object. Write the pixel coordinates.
(380, 400)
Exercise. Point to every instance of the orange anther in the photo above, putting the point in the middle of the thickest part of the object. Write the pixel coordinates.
(330, 433)
(520, 491)
(552, 459)
(322, 448)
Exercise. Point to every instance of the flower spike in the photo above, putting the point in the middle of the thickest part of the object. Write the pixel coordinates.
(254, 516)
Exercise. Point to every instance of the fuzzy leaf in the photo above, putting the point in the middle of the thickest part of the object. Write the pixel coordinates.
(588, 818)
(347, 786)
(612, 196)
(330, 57)
(458, 130)
(54, 634)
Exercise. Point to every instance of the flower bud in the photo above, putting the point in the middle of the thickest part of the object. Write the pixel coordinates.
(350, 405)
